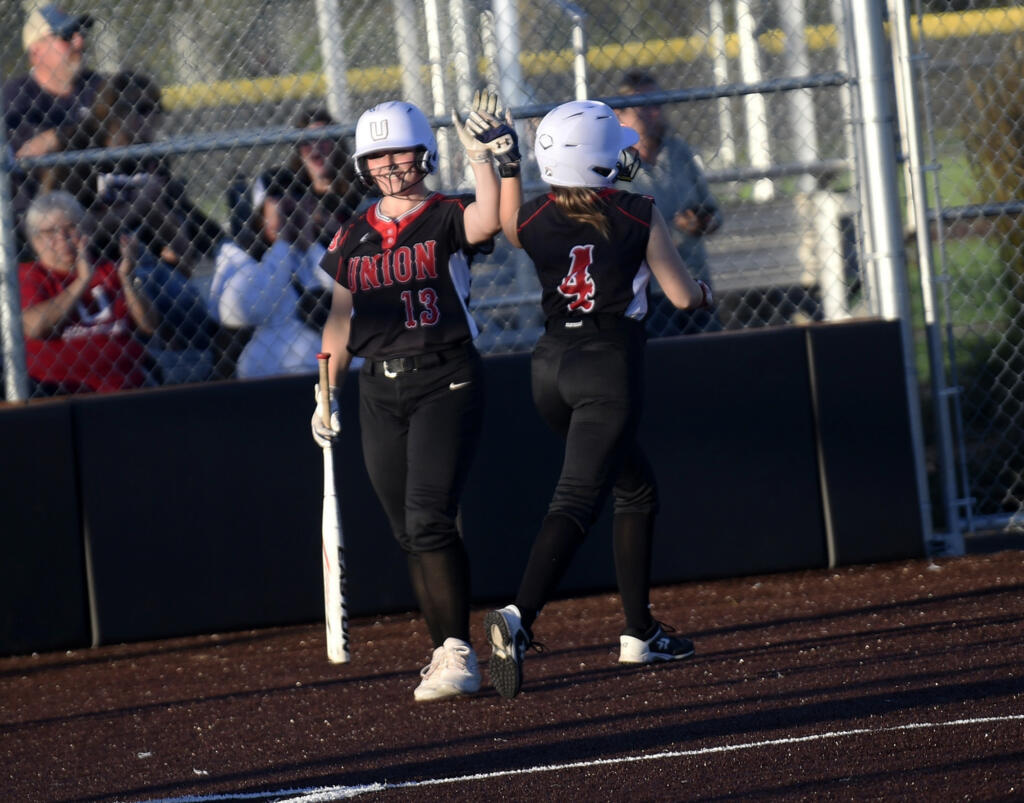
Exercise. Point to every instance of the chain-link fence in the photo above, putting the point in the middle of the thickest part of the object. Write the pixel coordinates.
(216, 95)
(209, 142)
(970, 87)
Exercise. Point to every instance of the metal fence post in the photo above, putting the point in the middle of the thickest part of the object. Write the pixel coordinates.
(332, 53)
(882, 215)
(11, 338)
(906, 96)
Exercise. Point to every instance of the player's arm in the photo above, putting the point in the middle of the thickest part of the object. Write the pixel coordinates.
(680, 287)
(481, 219)
(508, 208)
(508, 197)
(488, 133)
(335, 334)
(335, 343)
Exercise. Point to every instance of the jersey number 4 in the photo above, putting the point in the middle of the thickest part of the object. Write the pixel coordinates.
(428, 316)
(578, 285)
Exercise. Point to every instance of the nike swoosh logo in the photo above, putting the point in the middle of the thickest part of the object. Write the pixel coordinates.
(457, 385)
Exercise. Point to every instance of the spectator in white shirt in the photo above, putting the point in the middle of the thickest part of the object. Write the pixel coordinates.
(267, 283)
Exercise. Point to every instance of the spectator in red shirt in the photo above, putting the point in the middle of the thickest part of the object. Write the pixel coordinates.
(80, 316)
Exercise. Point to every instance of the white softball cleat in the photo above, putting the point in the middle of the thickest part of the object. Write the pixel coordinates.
(452, 671)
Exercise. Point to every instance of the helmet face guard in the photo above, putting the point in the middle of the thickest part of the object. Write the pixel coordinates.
(580, 144)
(394, 126)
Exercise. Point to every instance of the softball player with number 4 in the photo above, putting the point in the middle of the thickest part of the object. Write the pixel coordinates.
(594, 249)
(400, 301)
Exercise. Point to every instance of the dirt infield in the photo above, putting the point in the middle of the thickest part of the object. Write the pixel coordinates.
(900, 681)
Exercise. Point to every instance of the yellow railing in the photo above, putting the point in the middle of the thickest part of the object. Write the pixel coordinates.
(607, 57)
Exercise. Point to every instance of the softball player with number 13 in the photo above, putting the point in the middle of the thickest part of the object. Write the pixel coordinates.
(401, 272)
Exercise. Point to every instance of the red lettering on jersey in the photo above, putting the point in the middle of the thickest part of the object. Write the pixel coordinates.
(426, 260)
(431, 314)
(353, 273)
(403, 264)
(578, 285)
(338, 237)
(385, 269)
(368, 274)
(378, 266)
(410, 311)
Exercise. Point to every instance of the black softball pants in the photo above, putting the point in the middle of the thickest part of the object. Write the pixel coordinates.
(588, 385)
(419, 433)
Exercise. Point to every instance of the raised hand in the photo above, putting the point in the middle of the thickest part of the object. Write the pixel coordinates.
(499, 136)
(476, 151)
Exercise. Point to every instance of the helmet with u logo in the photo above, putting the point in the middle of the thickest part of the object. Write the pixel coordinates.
(394, 126)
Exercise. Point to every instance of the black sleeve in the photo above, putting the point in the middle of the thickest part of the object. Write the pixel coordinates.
(331, 260)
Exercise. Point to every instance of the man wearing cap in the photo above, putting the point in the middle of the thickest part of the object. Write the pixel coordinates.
(43, 107)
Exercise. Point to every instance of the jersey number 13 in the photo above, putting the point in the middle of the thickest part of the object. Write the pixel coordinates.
(429, 314)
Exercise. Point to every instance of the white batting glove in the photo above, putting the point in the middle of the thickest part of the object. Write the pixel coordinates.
(706, 298)
(476, 151)
(323, 435)
(484, 113)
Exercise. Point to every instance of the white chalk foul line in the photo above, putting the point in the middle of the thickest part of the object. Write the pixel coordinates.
(329, 793)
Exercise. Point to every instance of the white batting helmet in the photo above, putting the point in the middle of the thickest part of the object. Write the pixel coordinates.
(394, 126)
(578, 144)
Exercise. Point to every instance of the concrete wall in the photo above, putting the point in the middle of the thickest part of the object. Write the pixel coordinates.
(196, 509)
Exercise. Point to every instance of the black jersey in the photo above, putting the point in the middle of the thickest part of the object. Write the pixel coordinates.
(581, 272)
(409, 278)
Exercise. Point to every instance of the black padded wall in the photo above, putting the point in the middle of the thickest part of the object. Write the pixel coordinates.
(729, 428)
(200, 505)
(203, 510)
(43, 600)
(867, 457)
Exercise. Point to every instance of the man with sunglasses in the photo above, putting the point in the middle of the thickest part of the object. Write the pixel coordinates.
(43, 107)
(58, 89)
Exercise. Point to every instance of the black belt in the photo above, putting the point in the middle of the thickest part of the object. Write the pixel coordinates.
(589, 323)
(393, 366)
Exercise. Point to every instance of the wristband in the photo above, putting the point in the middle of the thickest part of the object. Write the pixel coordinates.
(508, 169)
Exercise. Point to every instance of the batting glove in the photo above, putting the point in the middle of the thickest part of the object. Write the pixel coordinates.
(705, 290)
(323, 435)
(476, 151)
(486, 125)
